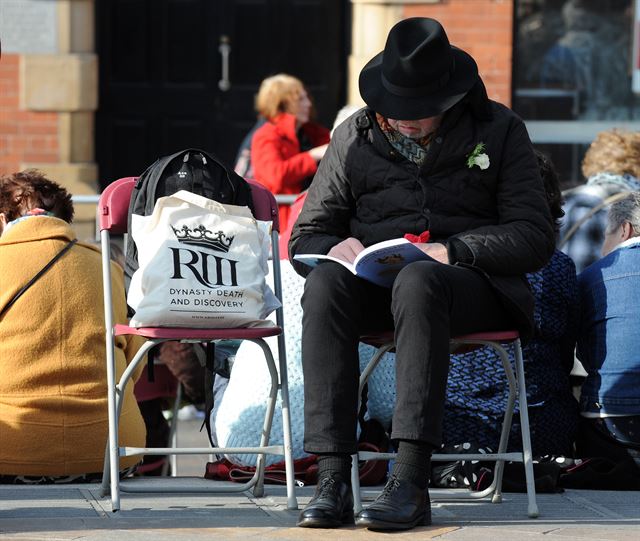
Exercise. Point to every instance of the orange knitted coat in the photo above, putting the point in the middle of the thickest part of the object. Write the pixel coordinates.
(53, 393)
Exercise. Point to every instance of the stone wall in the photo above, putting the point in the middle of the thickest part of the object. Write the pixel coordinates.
(28, 26)
(49, 93)
(483, 28)
(25, 136)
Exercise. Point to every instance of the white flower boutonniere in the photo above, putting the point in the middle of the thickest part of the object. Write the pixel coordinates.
(478, 157)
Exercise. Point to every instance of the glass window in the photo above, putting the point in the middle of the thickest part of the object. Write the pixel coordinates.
(572, 75)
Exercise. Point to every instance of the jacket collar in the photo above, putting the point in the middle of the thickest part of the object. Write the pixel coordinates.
(367, 125)
(37, 228)
(367, 120)
(285, 123)
(629, 243)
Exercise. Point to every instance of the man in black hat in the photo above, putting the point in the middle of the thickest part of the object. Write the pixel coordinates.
(430, 153)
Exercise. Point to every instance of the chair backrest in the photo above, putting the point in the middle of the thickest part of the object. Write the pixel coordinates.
(264, 204)
(113, 206)
(294, 212)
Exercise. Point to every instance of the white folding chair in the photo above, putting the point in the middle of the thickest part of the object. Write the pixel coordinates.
(516, 383)
(112, 209)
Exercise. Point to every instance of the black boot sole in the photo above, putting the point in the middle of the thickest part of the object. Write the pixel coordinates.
(383, 525)
(323, 522)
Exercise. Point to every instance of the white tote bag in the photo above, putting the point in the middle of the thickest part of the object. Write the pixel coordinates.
(201, 264)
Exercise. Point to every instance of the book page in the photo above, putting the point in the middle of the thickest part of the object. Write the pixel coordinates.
(379, 263)
(313, 260)
(374, 248)
(382, 264)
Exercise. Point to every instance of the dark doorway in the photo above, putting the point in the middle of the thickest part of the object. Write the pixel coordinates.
(162, 84)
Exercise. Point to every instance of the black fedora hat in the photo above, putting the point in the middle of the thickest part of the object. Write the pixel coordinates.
(419, 74)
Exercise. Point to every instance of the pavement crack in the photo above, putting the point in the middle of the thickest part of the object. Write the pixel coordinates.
(95, 505)
(595, 507)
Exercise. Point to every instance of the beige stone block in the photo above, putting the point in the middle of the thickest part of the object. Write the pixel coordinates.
(77, 178)
(76, 26)
(370, 26)
(356, 63)
(76, 137)
(59, 82)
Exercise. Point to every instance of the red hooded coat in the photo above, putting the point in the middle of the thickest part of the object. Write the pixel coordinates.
(277, 160)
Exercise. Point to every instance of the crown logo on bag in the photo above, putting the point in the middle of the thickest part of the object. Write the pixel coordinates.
(201, 236)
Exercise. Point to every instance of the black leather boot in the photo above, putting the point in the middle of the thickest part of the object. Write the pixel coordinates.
(400, 506)
(331, 505)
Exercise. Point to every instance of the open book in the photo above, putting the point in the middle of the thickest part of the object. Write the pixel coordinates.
(379, 263)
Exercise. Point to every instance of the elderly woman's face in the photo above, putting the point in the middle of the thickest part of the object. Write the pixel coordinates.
(416, 129)
(301, 108)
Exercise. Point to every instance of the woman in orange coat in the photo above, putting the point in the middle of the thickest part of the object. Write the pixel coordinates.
(53, 390)
(286, 150)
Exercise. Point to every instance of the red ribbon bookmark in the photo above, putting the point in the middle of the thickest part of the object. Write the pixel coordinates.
(422, 237)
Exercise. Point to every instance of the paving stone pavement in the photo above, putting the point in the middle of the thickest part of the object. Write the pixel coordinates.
(77, 512)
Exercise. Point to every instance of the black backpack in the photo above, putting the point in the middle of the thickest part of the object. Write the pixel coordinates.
(194, 170)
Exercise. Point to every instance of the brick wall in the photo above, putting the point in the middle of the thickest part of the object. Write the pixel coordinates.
(483, 28)
(25, 136)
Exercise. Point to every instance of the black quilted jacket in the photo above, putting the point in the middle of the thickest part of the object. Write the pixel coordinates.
(496, 221)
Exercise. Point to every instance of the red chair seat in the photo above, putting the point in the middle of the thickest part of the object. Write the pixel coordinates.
(181, 333)
(503, 337)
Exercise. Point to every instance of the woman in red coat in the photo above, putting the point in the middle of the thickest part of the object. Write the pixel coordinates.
(286, 150)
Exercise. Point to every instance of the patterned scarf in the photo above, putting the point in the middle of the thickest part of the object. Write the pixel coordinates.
(415, 150)
(29, 214)
(624, 182)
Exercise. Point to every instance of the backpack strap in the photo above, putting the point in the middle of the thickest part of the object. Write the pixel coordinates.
(198, 174)
(40, 273)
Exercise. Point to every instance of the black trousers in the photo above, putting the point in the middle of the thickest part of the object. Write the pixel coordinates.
(428, 303)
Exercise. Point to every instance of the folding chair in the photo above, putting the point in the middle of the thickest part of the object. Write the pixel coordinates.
(497, 341)
(112, 209)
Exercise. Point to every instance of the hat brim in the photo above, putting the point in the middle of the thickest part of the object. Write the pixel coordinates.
(397, 107)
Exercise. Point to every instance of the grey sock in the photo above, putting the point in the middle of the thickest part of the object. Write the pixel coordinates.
(335, 463)
(413, 462)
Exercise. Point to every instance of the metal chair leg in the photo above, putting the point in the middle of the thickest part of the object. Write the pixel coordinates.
(506, 422)
(115, 400)
(105, 485)
(355, 485)
(172, 462)
(258, 489)
(292, 502)
(527, 455)
(516, 382)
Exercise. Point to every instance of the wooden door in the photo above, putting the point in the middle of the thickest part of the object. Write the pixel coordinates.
(162, 84)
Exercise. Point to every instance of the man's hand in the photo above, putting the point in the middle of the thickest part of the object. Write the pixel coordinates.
(436, 250)
(347, 250)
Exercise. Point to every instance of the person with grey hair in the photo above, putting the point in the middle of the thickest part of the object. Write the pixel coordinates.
(608, 343)
(623, 222)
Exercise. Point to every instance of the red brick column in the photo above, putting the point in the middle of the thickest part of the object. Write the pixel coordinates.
(483, 28)
(25, 136)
